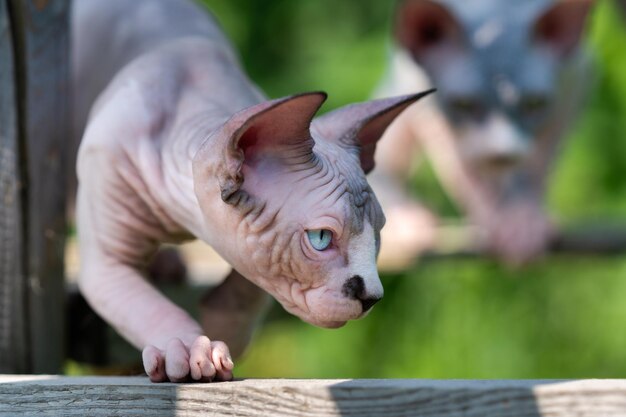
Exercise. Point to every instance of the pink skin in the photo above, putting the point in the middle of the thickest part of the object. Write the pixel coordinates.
(182, 145)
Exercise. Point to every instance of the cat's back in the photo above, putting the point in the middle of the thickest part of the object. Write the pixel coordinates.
(107, 35)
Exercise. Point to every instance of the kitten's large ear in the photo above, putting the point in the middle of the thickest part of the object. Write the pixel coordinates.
(274, 130)
(359, 126)
(560, 26)
(428, 30)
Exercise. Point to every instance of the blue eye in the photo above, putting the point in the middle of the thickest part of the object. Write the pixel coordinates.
(320, 238)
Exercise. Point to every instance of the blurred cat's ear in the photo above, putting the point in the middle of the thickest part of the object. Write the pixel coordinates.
(559, 28)
(359, 126)
(428, 30)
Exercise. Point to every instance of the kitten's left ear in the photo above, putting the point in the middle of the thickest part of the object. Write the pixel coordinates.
(560, 26)
(359, 126)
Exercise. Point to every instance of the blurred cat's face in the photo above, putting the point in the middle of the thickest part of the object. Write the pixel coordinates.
(498, 67)
(498, 113)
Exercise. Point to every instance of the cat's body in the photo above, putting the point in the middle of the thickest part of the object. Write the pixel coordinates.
(181, 145)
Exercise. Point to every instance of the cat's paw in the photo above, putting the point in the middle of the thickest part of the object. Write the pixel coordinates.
(203, 360)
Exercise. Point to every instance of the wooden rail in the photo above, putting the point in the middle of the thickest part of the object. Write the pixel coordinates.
(461, 240)
(126, 396)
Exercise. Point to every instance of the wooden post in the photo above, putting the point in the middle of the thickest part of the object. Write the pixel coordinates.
(13, 334)
(39, 37)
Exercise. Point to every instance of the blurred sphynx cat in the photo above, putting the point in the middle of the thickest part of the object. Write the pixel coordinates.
(181, 145)
(511, 78)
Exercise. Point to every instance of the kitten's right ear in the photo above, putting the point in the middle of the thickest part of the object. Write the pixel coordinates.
(428, 30)
(359, 126)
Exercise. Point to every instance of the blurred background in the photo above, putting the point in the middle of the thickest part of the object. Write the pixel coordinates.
(561, 317)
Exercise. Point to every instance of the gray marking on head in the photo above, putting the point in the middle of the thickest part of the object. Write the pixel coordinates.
(361, 204)
(346, 185)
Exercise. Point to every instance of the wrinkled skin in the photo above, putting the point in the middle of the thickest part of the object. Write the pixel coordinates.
(182, 145)
(511, 79)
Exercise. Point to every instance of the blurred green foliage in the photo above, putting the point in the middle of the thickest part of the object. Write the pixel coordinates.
(466, 319)
(293, 46)
(590, 180)
(560, 318)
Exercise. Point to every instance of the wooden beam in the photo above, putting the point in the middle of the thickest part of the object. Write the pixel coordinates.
(13, 326)
(460, 240)
(41, 48)
(122, 396)
(591, 240)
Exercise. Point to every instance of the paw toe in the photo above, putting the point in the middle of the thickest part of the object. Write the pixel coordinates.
(200, 360)
(176, 361)
(223, 361)
(153, 364)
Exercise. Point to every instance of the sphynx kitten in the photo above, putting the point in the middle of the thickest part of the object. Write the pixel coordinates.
(181, 145)
(511, 77)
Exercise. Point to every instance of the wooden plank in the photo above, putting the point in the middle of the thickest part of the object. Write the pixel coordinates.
(41, 45)
(124, 396)
(13, 334)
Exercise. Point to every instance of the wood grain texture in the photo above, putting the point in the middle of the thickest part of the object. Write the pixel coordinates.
(13, 331)
(42, 51)
(136, 396)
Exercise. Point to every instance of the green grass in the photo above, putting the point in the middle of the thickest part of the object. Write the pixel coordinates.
(590, 179)
(563, 318)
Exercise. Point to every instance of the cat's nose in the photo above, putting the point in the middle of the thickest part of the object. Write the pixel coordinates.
(354, 288)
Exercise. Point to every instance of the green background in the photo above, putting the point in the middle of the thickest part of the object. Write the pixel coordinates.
(562, 317)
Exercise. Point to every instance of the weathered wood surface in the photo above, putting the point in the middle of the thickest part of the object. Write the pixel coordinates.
(13, 331)
(41, 47)
(136, 396)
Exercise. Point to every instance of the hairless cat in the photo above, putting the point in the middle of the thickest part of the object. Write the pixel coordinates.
(179, 144)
